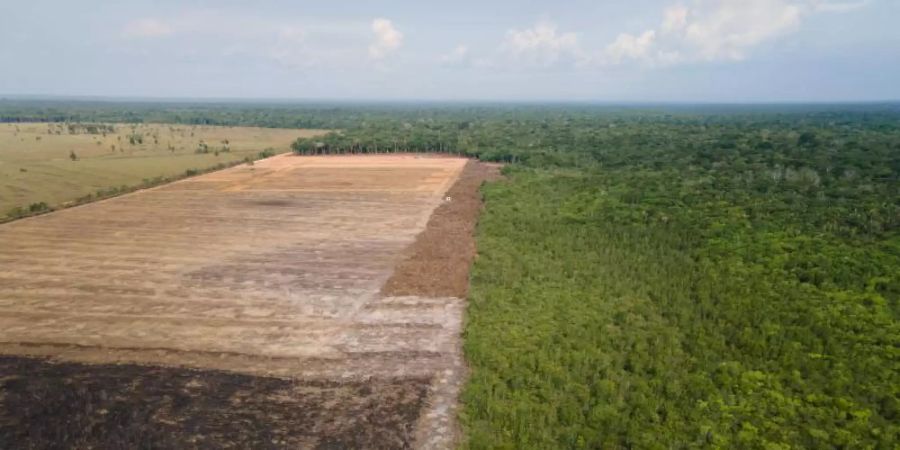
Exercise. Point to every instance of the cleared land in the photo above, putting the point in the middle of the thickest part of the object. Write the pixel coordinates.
(36, 159)
(242, 308)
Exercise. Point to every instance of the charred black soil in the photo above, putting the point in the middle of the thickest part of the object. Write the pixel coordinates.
(46, 405)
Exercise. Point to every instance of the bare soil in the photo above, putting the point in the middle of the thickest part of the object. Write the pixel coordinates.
(437, 264)
(245, 308)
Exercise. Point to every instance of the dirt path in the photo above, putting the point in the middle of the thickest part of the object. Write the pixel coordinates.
(254, 295)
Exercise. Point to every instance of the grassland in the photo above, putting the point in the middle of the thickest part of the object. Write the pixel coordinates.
(55, 163)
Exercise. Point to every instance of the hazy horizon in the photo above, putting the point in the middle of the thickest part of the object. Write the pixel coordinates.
(642, 52)
(54, 98)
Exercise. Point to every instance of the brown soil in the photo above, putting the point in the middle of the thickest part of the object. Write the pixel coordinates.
(271, 260)
(245, 308)
(437, 264)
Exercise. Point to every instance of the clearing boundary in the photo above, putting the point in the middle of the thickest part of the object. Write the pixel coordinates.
(251, 295)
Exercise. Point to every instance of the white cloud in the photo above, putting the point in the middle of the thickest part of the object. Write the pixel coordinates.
(667, 57)
(291, 49)
(314, 46)
(717, 30)
(541, 45)
(147, 28)
(692, 30)
(387, 39)
(726, 29)
(627, 46)
(292, 43)
(458, 55)
(674, 18)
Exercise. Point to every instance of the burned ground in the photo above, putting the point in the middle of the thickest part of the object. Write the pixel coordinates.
(70, 405)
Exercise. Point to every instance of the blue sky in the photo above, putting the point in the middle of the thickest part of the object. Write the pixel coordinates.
(637, 50)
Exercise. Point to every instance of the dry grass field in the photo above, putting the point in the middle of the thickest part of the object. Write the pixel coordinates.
(249, 296)
(56, 163)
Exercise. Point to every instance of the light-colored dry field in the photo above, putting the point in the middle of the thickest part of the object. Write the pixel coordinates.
(266, 270)
(36, 164)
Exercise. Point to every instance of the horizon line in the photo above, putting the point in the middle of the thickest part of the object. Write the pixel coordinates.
(538, 101)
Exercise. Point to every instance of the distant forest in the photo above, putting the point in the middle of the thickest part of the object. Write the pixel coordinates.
(651, 276)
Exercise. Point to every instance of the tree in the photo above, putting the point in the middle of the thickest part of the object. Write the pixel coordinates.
(807, 139)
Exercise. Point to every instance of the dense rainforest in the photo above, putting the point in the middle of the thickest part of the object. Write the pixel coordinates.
(730, 286)
(669, 276)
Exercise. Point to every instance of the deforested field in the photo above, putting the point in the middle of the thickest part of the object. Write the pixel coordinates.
(242, 308)
(45, 165)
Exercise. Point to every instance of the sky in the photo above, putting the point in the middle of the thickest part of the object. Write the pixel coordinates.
(505, 50)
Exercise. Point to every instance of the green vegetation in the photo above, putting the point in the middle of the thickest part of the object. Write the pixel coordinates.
(32, 209)
(653, 277)
(730, 287)
(269, 152)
